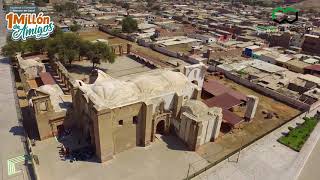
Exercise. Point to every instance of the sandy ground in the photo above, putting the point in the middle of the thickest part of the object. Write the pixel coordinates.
(166, 158)
(247, 132)
(121, 67)
(182, 48)
(115, 40)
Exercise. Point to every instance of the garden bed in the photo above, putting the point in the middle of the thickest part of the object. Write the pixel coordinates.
(299, 135)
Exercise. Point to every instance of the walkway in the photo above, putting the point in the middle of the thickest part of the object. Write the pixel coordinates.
(311, 169)
(12, 150)
(266, 159)
(10, 130)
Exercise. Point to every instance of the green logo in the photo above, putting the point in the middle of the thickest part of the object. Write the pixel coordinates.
(284, 10)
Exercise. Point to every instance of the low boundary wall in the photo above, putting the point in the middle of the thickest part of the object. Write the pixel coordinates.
(265, 91)
(164, 51)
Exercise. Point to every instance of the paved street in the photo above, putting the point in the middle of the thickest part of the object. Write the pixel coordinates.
(11, 151)
(165, 159)
(266, 159)
(311, 169)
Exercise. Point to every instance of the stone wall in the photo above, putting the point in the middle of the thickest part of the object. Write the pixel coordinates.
(64, 75)
(165, 51)
(268, 92)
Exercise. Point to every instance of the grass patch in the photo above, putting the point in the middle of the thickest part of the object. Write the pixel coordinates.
(299, 135)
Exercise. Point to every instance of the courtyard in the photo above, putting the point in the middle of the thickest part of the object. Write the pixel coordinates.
(122, 66)
(247, 132)
(112, 40)
(156, 161)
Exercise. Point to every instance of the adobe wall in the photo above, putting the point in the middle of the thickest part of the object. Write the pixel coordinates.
(268, 92)
(164, 51)
(115, 129)
(23, 79)
(129, 134)
(47, 120)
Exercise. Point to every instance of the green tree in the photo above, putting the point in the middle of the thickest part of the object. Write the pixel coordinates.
(58, 8)
(52, 46)
(75, 27)
(69, 49)
(66, 46)
(11, 48)
(33, 45)
(85, 49)
(129, 25)
(125, 5)
(57, 32)
(30, 45)
(100, 52)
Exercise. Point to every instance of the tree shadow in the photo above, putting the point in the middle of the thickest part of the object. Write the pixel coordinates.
(80, 69)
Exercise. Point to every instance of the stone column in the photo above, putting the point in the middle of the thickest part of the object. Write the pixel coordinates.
(252, 103)
(59, 73)
(209, 52)
(217, 123)
(177, 105)
(146, 123)
(197, 133)
(129, 48)
(196, 94)
(63, 78)
(120, 50)
(113, 50)
(67, 83)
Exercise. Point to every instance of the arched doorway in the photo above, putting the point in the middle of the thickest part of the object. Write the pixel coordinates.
(160, 127)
